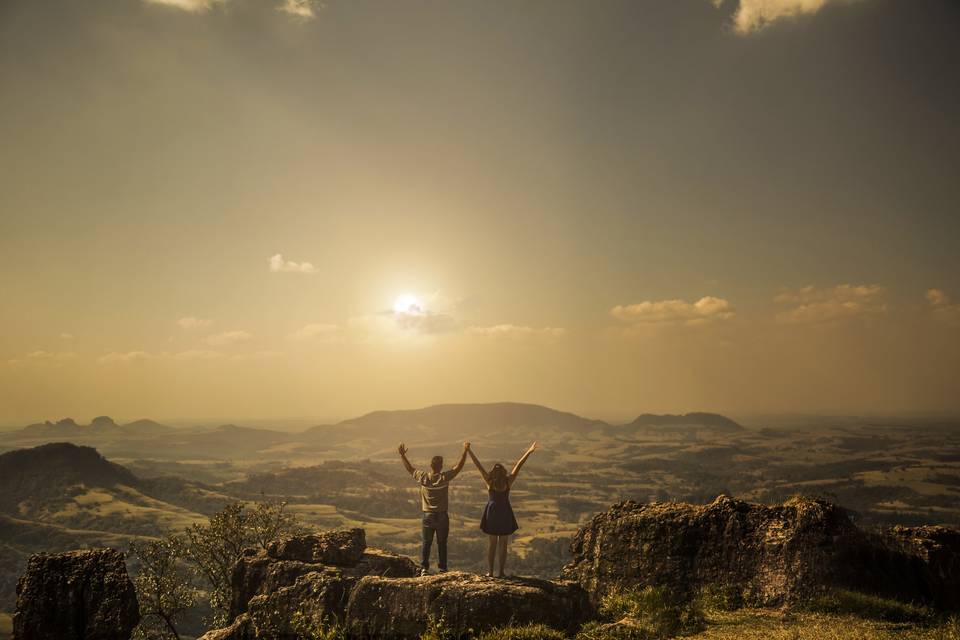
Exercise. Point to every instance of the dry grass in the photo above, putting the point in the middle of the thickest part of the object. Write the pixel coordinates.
(757, 624)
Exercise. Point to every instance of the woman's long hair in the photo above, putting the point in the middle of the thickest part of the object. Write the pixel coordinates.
(498, 478)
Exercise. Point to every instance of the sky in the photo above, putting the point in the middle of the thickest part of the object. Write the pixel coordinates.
(285, 208)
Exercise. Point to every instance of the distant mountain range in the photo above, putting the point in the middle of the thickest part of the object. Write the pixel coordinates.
(100, 424)
(362, 436)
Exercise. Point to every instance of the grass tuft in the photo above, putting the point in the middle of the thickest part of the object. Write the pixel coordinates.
(528, 632)
(869, 607)
(722, 597)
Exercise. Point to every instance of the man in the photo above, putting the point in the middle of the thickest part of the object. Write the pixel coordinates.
(433, 502)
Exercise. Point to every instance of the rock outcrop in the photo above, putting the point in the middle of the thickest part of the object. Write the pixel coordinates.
(397, 609)
(301, 583)
(79, 595)
(336, 558)
(773, 554)
(338, 548)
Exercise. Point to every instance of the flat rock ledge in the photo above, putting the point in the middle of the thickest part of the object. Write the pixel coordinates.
(304, 582)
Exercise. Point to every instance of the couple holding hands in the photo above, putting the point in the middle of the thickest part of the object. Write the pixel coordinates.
(497, 521)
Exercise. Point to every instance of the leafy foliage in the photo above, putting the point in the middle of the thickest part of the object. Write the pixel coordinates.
(163, 586)
(644, 614)
(214, 547)
(307, 628)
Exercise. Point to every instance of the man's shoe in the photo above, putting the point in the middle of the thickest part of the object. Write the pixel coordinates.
(424, 572)
(441, 570)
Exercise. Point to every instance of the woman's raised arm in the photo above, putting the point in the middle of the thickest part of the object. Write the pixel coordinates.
(483, 472)
(523, 458)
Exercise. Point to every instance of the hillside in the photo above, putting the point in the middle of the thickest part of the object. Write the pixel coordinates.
(472, 418)
(60, 496)
(49, 470)
(695, 420)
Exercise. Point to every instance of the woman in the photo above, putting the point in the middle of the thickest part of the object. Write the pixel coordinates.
(498, 521)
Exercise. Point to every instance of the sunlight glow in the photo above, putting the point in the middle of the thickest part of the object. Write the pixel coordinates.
(407, 303)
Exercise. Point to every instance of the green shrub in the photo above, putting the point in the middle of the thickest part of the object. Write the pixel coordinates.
(862, 605)
(440, 629)
(528, 632)
(652, 612)
(612, 631)
(307, 628)
(722, 597)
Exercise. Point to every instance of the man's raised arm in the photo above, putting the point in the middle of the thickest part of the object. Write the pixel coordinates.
(463, 459)
(402, 450)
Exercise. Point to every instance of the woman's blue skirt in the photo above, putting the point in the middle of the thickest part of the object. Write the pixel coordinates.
(498, 518)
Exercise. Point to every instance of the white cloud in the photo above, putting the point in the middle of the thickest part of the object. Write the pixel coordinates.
(704, 310)
(411, 316)
(125, 357)
(228, 338)
(420, 320)
(813, 305)
(51, 356)
(191, 322)
(393, 325)
(191, 6)
(515, 332)
(279, 265)
(303, 9)
(197, 354)
(944, 309)
(937, 298)
(317, 332)
(264, 354)
(754, 15)
(66, 336)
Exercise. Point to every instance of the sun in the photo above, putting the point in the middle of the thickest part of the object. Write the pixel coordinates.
(407, 303)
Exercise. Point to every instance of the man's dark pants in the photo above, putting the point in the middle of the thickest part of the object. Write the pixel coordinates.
(435, 522)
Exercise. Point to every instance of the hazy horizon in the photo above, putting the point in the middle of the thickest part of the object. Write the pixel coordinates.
(297, 423)
(268, 208)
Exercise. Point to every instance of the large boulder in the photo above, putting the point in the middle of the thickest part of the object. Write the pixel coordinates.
(342, 548)
(403, 608)
(772, 554)
(301, 583)
(79, 595)
(315, 599)
(287, 560)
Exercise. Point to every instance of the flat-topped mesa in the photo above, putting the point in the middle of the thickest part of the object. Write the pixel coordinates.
(79, 595)
(772, 554)
(302, 582)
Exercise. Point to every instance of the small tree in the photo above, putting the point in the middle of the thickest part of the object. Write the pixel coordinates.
(269, 521)
(163, 586)
(216, 546)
